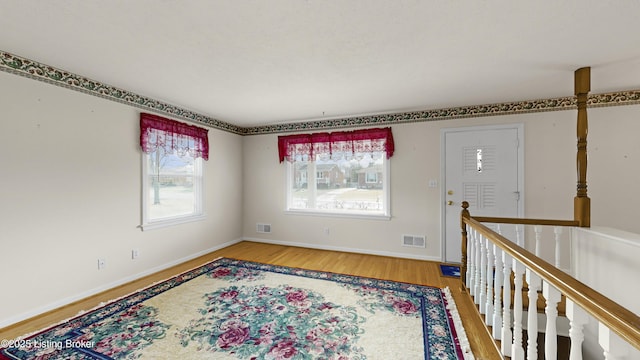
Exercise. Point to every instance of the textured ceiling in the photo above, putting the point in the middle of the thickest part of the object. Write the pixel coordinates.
(254, 63)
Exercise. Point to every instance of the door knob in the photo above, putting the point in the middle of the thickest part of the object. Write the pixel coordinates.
(449, 202)
(450, 192)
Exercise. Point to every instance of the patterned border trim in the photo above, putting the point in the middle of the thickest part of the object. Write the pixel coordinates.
(521, 107)
(565, 103)
(37, 71)
(31, 69)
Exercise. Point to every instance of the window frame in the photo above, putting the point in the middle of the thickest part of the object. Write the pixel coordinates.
(199, 196)
(386, 187)
(367, 178)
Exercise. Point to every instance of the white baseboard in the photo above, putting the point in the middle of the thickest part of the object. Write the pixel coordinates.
(344, 249)
(68, 300)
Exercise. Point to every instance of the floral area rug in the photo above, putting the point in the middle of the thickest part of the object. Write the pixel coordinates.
(230, 309)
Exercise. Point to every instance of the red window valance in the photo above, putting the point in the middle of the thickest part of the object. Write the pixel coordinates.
(335, 144)
(172, 136)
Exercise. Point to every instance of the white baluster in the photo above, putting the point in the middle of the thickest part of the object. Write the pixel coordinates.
(488, 318)
(614, 347)
(532, 320)
(577, 319)
(517, 351)
(482, 298)
(552, 295)
(476, 289)
(557, 230)
(497, 297)
(506, 336)
(519, 237)
(538, 235)
(470, 257)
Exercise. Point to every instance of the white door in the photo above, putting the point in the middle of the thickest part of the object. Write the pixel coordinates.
(483, 166)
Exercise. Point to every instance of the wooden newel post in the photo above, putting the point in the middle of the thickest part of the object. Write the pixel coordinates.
(464, 214)
(582, 203)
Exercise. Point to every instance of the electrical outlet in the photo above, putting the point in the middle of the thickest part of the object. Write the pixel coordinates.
(327, 231)
(102, 263)
(135, 253)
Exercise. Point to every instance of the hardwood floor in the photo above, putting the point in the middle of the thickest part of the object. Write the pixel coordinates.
(404, 270)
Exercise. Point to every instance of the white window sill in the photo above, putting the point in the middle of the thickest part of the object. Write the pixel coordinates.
(349, 215)
(170, 222)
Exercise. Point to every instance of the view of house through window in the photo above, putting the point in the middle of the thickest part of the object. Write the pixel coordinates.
(357, 185)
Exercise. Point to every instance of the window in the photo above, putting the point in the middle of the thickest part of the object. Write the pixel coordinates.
(372, 176)
(172, 170)
(346, 187)
(173, 187)
(337, 175)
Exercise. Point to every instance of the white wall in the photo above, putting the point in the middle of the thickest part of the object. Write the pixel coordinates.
(415, 208)
(71, 193)
(613, 171)
(606, 260)
(550, 182)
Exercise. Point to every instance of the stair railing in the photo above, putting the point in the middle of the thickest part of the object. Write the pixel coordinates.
(490, 260)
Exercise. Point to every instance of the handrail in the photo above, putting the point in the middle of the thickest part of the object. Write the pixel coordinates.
(617, 318)
(506, 220)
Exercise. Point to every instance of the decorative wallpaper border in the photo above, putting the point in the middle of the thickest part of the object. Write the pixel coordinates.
(520, 107)
(15, 64)
(34, 70)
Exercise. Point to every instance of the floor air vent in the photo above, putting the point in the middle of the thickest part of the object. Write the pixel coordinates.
(263, 228)
(413, 241)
